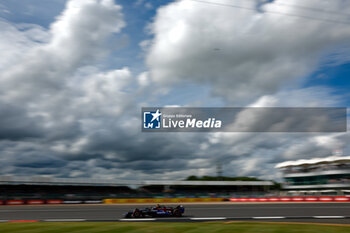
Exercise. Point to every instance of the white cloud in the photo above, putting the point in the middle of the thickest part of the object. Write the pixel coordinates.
(77, 37)
(14, 43)
(143, 79)
(63, 115)
(243, 54)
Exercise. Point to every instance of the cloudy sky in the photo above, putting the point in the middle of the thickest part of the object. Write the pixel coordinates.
(74, 75)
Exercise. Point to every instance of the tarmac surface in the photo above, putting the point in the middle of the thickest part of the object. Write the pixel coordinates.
(271, 212)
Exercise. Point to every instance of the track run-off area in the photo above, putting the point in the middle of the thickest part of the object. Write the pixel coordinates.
(271, 212)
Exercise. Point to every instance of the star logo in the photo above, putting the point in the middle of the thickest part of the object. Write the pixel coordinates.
(152, 119)
(156, 115)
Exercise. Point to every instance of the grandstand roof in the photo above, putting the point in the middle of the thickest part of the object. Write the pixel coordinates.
(305, 162)
(98, 182)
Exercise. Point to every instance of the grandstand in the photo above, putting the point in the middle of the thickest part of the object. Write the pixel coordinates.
(26, 188)
(319, 175)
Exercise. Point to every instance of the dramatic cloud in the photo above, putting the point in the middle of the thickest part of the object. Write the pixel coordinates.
(241, 53)
(64, 114)
(76, 38)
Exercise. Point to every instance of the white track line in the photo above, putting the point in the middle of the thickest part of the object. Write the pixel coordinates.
(198, 219)
(64, 220)
(4, 220)
(328, 216)
(272, 217)
(209, 218)
(137, 219)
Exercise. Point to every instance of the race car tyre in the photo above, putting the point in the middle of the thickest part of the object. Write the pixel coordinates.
(152, 214)
(127, 215)
(177, 213)
(136, 213)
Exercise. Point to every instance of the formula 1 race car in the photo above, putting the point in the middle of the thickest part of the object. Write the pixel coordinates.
(157, 211)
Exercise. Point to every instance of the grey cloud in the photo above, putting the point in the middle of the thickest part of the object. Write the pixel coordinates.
(66, 117)
(17, 125)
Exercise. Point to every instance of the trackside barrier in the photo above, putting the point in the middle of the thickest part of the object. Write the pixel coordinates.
(342, 199)
(35, 202)
(54, 202)
(14, 202)
(288, 199)
(49, 202)
(325, 199)
(72, 202)
(93, 202)
(161, 200)
(311, 199)
(82, 202)
(178, 200)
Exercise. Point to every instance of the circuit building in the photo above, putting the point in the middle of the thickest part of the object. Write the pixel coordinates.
(23, 188)
(330, 174)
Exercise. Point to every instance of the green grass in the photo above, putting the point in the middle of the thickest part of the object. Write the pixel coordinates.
(107, 227)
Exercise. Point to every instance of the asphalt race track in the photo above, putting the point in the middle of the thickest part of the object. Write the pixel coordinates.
(286, 212)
